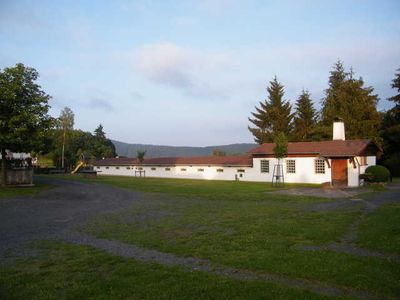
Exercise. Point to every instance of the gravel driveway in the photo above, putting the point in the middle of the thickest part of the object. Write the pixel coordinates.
(55, 212)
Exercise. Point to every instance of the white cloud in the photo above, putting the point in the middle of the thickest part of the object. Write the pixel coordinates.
(189, 69)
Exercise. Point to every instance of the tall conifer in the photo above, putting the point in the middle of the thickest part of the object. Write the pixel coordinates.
(273, 116)
(348, 98)
(305, 118)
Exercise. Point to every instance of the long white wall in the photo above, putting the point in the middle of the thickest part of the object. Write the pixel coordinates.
(305, 172)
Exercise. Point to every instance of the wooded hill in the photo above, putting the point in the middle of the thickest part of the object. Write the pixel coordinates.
(131, 150)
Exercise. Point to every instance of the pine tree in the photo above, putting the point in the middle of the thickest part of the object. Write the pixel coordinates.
(348, 99)
(391, 132)
(273, 116)
(305, 118)
(396, 85)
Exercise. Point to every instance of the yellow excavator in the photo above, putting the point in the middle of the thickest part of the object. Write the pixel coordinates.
(78, 166)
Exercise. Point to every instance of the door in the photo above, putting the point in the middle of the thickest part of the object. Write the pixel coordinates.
(339, 172)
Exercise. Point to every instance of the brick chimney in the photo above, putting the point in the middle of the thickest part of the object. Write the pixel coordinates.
(338, 130)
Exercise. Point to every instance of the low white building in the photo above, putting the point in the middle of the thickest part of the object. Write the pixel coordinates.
(339, 162)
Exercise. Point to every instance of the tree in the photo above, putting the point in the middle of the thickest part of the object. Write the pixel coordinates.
(99, 132)
(280, 151)
(218, 152)
(23, 112)
(396, 85)
(140, 155)
(66, 124)
(281, 145)
(348, 99)
(273, 116)
(305, 118)
(390, 132)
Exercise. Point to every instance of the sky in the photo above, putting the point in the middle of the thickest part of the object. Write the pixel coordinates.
(191, 72)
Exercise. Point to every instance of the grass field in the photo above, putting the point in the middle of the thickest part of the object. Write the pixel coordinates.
(10, 192)
(237, 224)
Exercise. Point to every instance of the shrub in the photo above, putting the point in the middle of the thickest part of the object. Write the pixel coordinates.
(377, 174)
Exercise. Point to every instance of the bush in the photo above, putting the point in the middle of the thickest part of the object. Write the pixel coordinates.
(377, 174)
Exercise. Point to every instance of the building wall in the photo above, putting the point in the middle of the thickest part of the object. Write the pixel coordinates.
(115, 170)
(192, 172)
(305, 172)
(353, 173)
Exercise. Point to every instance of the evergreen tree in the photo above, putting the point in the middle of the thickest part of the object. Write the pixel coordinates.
(396, 85)
(273, 116)
(391, 132)
(305, 118)
(99, 132)
(348, 99)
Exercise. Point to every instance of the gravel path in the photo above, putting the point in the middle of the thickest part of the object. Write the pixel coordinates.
(55, 214)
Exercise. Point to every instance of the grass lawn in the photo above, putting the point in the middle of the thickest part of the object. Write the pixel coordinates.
(238, 224)
(65, 271)
(381, 230)
(10, 192)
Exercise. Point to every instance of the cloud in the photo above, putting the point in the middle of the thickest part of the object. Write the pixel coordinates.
(191, 70)
(100, 104)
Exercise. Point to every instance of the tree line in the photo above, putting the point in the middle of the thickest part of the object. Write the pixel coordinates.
(65, 146)
(26, 126)
(346, 98)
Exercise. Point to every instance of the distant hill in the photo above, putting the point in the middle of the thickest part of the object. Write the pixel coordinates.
(130, 150)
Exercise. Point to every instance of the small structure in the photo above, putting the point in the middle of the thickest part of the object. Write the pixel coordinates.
(19, 169)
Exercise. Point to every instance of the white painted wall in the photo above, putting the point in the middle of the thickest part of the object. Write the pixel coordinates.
(305, 172)
(353, 173)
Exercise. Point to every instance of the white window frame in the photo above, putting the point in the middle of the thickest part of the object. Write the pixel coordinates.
(319, 166)
(291, 166)
(264, 166)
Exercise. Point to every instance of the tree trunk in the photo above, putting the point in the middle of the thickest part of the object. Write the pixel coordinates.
(3, 168)
(62, 152)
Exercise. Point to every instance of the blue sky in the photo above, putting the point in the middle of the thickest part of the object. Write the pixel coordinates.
(190, 72)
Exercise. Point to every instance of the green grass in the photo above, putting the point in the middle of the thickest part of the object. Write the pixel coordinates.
(210, 189)
(381, 229)
(65, 271)
(241, 224)
(12, 192)
(257, 234)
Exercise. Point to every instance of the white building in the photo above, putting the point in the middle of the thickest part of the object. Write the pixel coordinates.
(338, 162)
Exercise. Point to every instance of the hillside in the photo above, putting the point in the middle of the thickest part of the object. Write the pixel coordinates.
(130, 150)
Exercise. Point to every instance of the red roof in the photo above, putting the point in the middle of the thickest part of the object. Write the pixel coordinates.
(118, 161)
(172, 161)
(201, 160)
(337, 148)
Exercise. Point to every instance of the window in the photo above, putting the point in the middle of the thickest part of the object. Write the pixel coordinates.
(153, 169)
(200, 170)
(107, 167)
(183, 170)
(291, 166)
(140, 169)
(128, 168)
(363, 160)
(240, 171)
(264, 166)
(97, 167)
(117, 168)
(220, 170)
(167, 169)
(319, 166)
